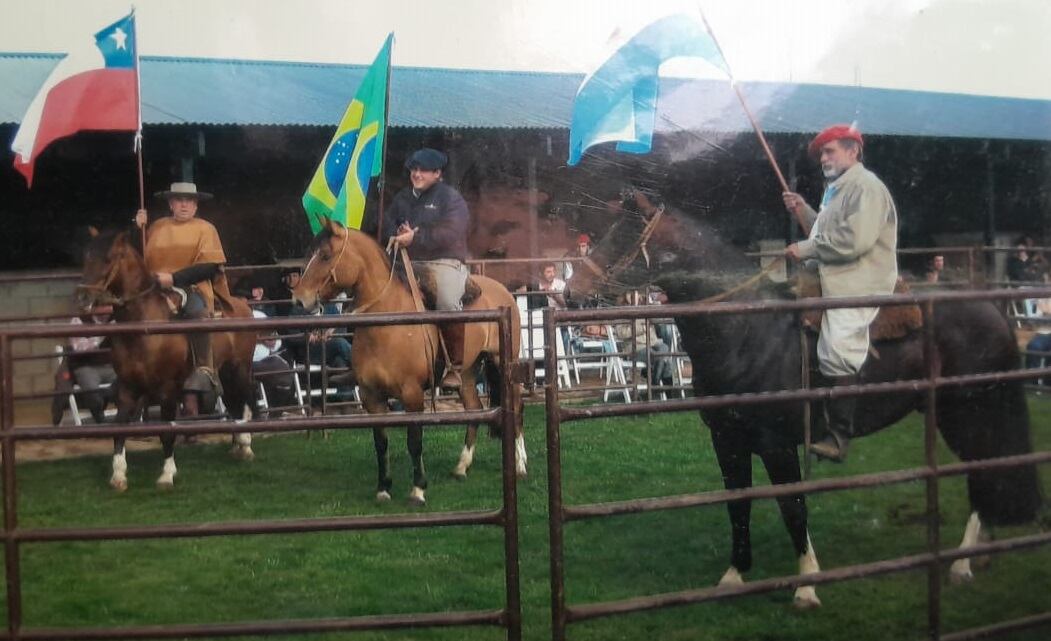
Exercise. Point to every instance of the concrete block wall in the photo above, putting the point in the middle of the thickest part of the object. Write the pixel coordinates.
(35, 297)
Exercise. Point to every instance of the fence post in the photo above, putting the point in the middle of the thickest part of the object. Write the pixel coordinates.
(555, 516)
(509, 417)
(7, 426)
(930, 444)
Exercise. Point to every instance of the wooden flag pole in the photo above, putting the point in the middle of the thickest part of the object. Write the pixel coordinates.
(138, 132)
(755, 125)
(382, 182)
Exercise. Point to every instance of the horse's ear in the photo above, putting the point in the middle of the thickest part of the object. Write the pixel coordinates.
(334, 226)
(93, 231)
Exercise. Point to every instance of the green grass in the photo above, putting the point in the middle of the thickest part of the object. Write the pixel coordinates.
(347, 574)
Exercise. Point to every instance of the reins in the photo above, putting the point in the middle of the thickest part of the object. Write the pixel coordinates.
(748, 284)
(116, 301)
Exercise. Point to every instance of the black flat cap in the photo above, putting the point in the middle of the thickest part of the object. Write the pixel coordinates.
(426, 158)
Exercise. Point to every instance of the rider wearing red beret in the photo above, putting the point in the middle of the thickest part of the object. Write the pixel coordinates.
(853, 242)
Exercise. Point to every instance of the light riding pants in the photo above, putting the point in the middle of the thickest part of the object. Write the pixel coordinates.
(844, 341)
(450, 278)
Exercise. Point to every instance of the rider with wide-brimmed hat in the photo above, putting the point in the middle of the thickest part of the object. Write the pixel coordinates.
(185, 251)
(853, 239)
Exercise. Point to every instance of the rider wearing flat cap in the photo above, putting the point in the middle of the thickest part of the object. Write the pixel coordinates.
(431, 218)
(185, 251)
(853, 240)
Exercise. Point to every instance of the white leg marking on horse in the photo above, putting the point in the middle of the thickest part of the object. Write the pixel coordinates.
(732, 577)
(806, 595)
(520, 456)
(242, 448)
(464, 464)
(166, 480)
(119, 480)
(416, 496)
(383, 496)
(960, 570)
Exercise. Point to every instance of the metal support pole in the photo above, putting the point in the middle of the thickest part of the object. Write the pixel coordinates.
(7, 426)
(509, 417)
(554, 482)
(930, 444)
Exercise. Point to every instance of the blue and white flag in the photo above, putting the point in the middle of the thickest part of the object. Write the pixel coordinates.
(618, 101)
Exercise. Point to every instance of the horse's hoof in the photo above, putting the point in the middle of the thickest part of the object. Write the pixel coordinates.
(960, 574)
(806, 599)
(242, 453)
(416, 497)
(731, 577)
(459, 474)
(383, 496)
(165, 486)
(521, 474)
(120, 485)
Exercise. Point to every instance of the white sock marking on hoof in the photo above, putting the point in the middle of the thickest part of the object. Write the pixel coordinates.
(732, 577)
(416, 496)
(806, 595)
(119, 479)
(520, 457)
(166, 480)
(464, 464)
(960, 570)
(383, 496)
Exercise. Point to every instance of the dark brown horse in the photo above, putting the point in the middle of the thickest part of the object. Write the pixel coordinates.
(754, 353)
(151, 369)
(399, 361)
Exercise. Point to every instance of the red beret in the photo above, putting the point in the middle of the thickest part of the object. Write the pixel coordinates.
(835, 132)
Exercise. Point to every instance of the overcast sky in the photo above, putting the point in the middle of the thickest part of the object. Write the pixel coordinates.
(992, 47)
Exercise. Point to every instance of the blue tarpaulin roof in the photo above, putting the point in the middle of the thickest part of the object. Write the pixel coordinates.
(236, 92)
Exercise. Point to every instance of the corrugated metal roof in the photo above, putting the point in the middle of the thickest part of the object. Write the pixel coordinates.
(236, 92)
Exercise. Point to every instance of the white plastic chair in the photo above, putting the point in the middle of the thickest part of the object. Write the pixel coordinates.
(532, 343)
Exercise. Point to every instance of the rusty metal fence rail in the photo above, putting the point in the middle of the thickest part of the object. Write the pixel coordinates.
(504, 517)
(931, 560)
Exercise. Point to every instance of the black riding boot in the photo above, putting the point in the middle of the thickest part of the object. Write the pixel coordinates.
(453, 334)
(840, 423)
(203, 378)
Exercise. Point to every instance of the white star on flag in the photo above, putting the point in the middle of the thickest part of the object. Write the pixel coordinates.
(120, 37)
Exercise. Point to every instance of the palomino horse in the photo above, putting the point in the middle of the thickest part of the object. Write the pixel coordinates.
(152, 368)
(400, 361)
(757, 353)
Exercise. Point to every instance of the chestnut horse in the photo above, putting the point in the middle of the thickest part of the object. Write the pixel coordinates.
(151, 369)
(401, 361)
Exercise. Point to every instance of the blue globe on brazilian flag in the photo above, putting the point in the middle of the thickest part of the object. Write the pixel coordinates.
(355, 155)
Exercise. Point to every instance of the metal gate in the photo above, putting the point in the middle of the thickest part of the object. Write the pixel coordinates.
(564, 614)
(505, 517)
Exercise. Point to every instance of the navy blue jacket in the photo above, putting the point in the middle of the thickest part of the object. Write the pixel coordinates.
(441, 216)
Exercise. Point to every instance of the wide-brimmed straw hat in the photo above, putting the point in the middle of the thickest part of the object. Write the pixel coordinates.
(183, 190)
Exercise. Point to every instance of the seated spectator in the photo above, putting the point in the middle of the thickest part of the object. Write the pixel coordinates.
(548, 283)
(646, 345)
(935, 266)
(583, 249)
(256, 297)
(266, 360)
(89, 368)
(321, 345)
(1024, 265)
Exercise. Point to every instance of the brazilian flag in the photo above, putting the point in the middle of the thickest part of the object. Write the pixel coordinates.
(355, 155)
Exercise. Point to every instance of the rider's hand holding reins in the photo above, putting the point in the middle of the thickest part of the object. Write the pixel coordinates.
(405, 235)
(141, 218)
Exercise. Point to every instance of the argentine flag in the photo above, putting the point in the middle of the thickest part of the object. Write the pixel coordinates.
(618, 101)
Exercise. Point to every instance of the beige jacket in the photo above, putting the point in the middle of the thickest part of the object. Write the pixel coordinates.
(854, 238)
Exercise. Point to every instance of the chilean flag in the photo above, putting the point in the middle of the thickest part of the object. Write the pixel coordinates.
(96, 86)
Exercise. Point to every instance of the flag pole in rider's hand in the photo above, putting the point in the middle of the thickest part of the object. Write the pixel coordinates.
(755, 125)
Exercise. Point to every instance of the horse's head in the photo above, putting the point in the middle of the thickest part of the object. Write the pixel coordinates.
(663, 246)
(113, 269)
(328, 271)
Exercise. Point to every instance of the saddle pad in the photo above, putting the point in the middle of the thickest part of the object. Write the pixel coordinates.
(891, 322)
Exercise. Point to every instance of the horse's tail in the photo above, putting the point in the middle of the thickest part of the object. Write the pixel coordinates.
(988, 422)
(491, 372)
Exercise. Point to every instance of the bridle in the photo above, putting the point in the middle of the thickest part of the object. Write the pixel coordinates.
(107, 281)
(330, 278)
